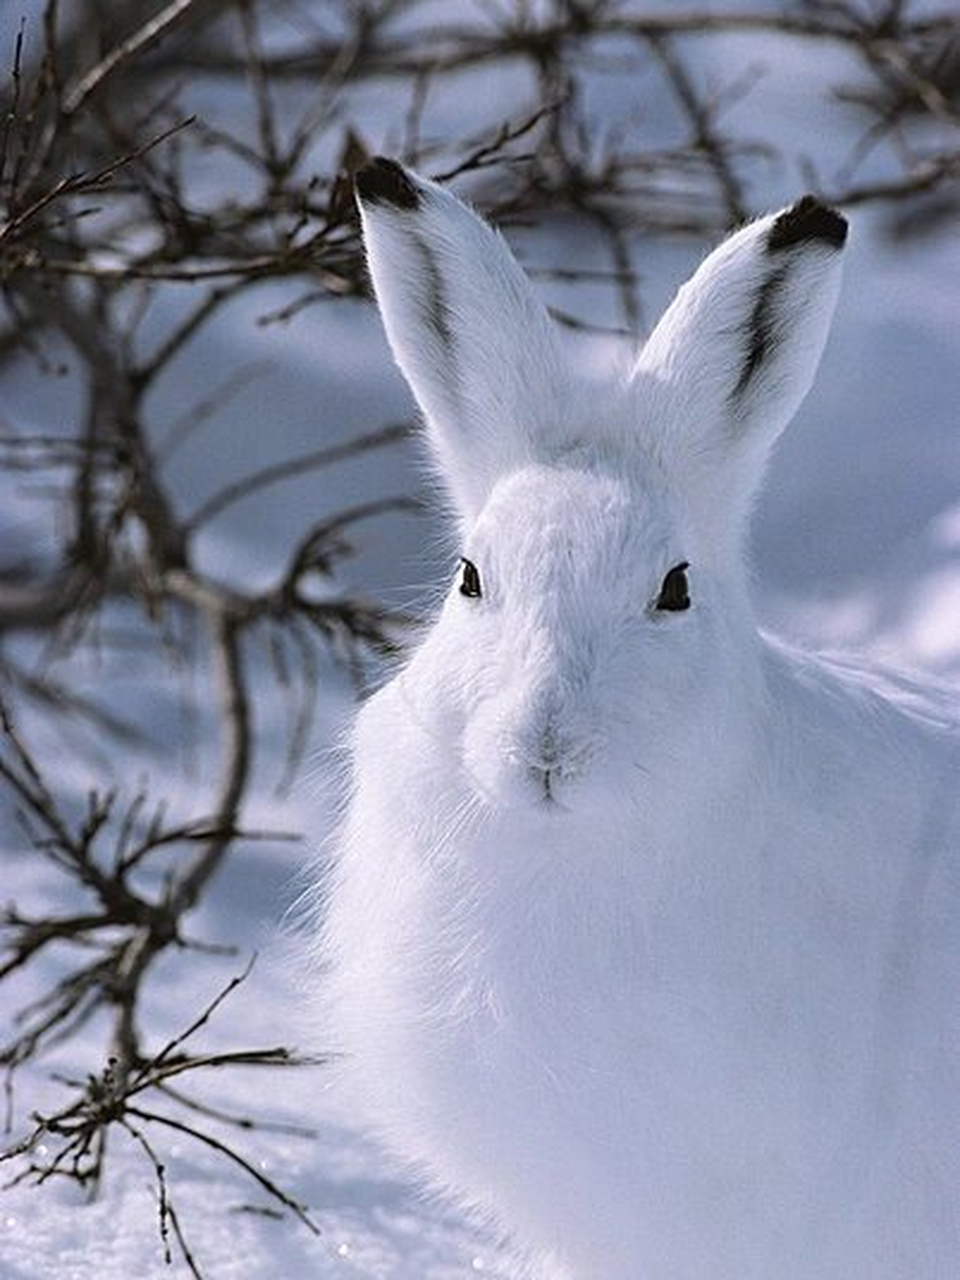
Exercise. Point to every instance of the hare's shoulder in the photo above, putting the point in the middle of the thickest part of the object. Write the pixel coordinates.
(861, 688)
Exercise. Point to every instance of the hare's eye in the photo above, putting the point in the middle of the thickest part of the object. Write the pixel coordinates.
(674, 594)
(470, 580)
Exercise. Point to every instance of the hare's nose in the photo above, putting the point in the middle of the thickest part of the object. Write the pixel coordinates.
(553, 753)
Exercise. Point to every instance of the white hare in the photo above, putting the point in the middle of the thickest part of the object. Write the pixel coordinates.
(641, 935)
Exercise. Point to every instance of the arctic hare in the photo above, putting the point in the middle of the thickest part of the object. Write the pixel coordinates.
(641, 932)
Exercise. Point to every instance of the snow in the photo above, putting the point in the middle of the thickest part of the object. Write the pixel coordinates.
(857, 542)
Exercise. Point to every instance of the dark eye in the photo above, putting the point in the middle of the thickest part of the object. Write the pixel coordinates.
(470, 580)
(675, 592)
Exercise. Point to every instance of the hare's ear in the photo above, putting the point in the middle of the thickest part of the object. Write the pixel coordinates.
(478, 349)
(736, 351)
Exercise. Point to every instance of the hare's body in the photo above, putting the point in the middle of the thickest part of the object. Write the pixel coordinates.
(642, 932)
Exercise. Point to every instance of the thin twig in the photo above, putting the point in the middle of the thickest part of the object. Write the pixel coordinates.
(294, 467)
(138, 43)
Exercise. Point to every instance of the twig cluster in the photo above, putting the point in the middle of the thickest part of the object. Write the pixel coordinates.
(72, 1141)
(117, 254)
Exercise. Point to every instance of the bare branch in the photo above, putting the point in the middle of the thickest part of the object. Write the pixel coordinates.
(294, 467)
(124, 53)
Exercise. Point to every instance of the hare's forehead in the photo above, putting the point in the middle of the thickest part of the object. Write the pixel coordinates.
(573, 517)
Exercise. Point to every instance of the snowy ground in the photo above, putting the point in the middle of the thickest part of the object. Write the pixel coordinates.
(857, 543)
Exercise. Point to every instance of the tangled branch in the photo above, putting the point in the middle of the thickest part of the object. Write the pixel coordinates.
(72, 1141)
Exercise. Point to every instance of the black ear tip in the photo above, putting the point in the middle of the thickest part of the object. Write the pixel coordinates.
(808, 220)
(383, 181)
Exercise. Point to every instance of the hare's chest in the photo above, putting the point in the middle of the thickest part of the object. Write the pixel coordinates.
(547, 996)
(716, 1042)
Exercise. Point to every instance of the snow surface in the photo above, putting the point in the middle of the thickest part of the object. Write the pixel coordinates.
(857, 542)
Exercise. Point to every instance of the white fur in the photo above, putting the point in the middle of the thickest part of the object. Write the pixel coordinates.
(694, 1015)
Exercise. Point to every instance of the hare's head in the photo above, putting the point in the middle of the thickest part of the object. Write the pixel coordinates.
(597, 640)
